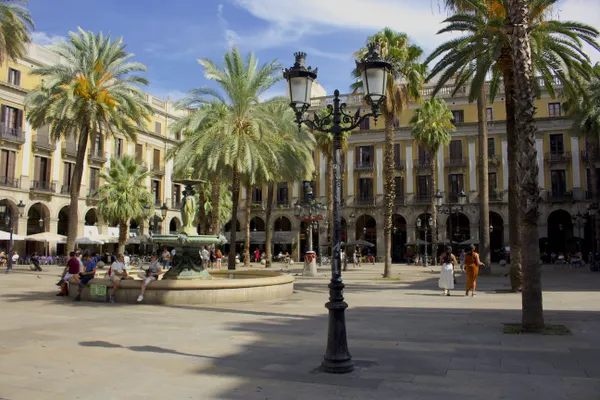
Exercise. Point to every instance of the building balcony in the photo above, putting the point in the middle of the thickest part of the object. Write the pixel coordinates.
(6, 181)
(43, 142)
(422, 165)
(558, 158)
(43, 186)
(142, 164)
(495, 195)
(456, 162)
(400, 200)
(400, 164)
(97, 157)
(423, 198)
(559, 197)
(494, 161)
(158, 169)
(65, 189)
(282, 204)
(363, 167)
(69, 149)
(176, 204)
(258, 205)
(13, 135)
(364, 202)
(92, 193)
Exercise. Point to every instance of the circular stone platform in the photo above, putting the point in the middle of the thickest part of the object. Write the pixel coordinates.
(227, 286)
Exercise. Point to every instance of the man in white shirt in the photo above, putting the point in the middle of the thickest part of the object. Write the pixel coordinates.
(117, 273)
(15, 258)
(127, 261)
(205, 257)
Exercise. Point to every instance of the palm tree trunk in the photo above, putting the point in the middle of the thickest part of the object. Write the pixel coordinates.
(247, 227)
(484, 196)
(214, 201)
(434, 228)
(514, 219)
(389, 193)
(235, 200)
(533, 312)
(201, 210)
(269, 226)
(123, 228)
(76, 187)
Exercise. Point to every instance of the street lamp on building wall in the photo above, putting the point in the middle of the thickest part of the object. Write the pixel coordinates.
(374, 72)
(9, 222)
(450, 210)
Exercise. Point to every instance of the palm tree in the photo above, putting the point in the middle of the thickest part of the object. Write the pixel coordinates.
(15, 26)
(238, 135)
(557, 55)
(431, 126)
(403, 85)
(94, 90)
(124, 195)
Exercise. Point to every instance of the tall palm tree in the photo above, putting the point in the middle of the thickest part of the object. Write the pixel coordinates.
(124, 194)
(94, 90)
(15, 26)
(403, 85)
(431, 126)
(239, 136)
(557, 55)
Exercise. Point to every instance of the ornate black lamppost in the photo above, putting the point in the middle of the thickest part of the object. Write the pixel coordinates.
(450, 209)
(310, 212)
(9, 222)
(427, 224)
(374, 72)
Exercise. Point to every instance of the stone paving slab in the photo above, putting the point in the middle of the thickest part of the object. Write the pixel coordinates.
(409, 343)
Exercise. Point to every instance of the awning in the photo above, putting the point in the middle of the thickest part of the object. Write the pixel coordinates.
(6, 236)
(46, 237)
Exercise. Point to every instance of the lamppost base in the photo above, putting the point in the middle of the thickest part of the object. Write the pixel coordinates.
(337, 366)
(337, 358)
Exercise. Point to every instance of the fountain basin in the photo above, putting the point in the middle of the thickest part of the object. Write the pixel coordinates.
(245, 286)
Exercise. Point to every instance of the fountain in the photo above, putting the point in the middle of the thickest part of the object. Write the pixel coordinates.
(187, 263)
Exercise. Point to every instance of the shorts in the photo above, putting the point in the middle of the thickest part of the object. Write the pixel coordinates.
(84, 280)
(149, 279)
(68, 276)
(116, 278)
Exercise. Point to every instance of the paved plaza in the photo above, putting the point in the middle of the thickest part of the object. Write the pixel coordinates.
(407, 340)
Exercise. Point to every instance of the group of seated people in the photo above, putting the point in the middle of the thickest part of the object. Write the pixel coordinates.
(569, 258)
(81, 268)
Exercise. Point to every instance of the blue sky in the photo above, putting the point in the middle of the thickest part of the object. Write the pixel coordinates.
(169, 36)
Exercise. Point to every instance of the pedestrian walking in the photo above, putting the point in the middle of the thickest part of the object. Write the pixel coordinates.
(472, 264)
(446, 281)
(461, 260)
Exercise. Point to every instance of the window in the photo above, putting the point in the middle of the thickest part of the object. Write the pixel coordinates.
(456, 152)
(282, 193)
(118, 147)
(67, 176)
(364, 124)
(98, 145)
(364, 156)
(42, 169)
(94, 178)
(424, 186)
(365, 189)
(139, 152)
(458, 116)
(554, 110)
(457, 184)
(423, 156)
(12, 120)
(397, 155)
(157, 127)
(14, 77)
(156, 160)
(559, 182)
(557, 145)
(399, 186)
(156, 191)
(489, 114)
(491, 147)
(176, 195)
(257, 195)
(492, 182)
(7, 168)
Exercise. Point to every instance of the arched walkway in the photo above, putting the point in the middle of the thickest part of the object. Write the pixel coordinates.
(560, 232)
(282, 236)
(458, 228)
(228, 226)
(91, 217)
(38, 219)
(134, 227)
(63, 221)
(366, 229)
(257, 224)
(496, 236)
(282, 224)
(174, 225)
(13, 210)
(399, 237)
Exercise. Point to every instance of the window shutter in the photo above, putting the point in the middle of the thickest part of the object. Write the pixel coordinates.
(4, 164)
(19, 119)
(3, 113)
(10, 168)
(47, 177)
(36, 169)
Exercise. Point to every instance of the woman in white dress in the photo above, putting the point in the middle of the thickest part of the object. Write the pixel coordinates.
(446, 281)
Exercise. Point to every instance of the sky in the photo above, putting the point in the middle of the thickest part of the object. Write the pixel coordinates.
(169, 36)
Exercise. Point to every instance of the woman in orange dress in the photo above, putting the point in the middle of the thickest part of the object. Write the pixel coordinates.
(472, 264)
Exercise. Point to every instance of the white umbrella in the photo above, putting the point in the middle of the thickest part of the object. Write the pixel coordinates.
(106, 238)
(46, 237)
(6, 236)
(87, 240)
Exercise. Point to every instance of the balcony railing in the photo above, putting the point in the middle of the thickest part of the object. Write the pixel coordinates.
(495, 195)
(44, 142)
(69, 149)
(494, 161)
(363, 167)
(282, 203)
(456, 162)
(43, 186)
(65, 189)
(399, 164)
(364, 201)
(557, 158)
(158, 169)
(258, 204)
(92, 193)
(9, 181)
(423, 198)
(142, 164)
(97, 156)
(421, 165)
(176, 204)
(14, 135)
(400, 201)
(558, 196)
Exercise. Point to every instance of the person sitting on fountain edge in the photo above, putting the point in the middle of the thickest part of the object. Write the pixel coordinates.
(151, 274)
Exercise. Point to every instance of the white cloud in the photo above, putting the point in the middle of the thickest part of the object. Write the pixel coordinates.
(582, 11)
(167, 94)
(44, 39)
